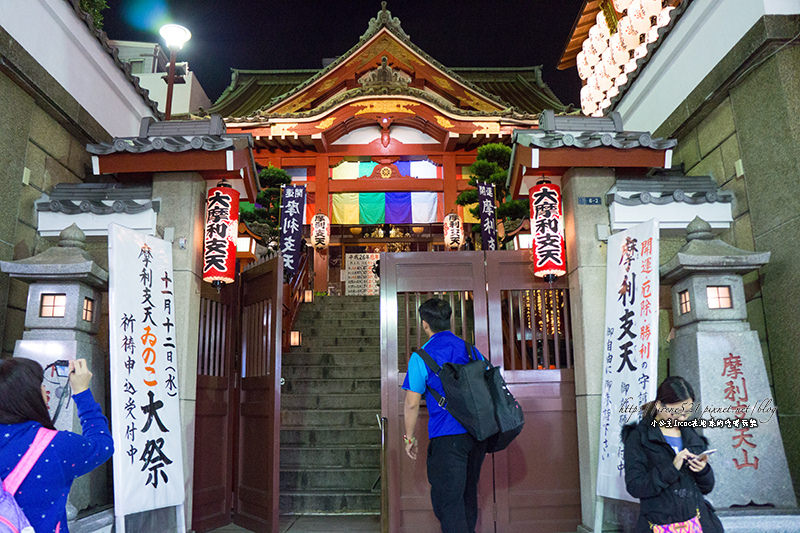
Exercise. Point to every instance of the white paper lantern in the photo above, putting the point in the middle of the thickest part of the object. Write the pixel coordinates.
(630, 66)
(621, 5)
(453, 231)
(652, 35)
(619, 54)
(664, 17)
(320, 231)
(584, 69)
(640, 19)
(599, 41)
(651, 7)
(591, 53)
(640, 51)
(612, 67)
(621, 80)
(605, 103)
(613, 91)
(594, 90)
(627, 33)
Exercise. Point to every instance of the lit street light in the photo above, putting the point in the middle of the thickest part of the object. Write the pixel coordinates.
(175, 36)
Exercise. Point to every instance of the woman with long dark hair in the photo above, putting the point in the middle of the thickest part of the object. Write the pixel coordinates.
(23, 411)
(665, 467)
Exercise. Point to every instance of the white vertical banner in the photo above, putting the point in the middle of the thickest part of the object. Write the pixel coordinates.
(630, 350)
(148, 462)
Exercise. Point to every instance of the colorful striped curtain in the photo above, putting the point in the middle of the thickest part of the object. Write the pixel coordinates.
(380, 208)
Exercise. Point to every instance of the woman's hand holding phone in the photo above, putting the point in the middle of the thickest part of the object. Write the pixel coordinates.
(79, 376)
(698, 462)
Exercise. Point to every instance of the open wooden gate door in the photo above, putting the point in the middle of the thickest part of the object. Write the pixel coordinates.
(522, 325)
(258, 460)
(237, 433)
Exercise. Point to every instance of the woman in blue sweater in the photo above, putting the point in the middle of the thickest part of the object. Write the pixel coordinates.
(23, 410)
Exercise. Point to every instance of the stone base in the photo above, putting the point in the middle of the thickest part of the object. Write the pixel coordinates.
(101, 522)
(760, 520)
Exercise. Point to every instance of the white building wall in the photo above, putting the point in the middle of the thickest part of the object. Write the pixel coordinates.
(60, 42)
(707, 30)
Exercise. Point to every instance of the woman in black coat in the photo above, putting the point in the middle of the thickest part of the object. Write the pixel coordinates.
(663, 465)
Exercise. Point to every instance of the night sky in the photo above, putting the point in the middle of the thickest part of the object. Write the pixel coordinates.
(260, 34)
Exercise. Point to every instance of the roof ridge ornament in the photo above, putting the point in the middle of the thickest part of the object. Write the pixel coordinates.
(385, 76)
(384, 18)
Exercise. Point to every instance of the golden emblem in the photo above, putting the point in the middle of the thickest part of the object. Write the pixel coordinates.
(443, 122)
(325, 124)
(386, 172)
(385, 106)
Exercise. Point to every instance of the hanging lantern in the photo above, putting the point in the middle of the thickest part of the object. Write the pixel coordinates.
(640, 18)
(591, 53)
(320, 231)
(627, 33)
(619, 54)
(613, 91)
(664, 17)
(584, 69)
(588, 104)
(621, 5)
(221, 233)
(602, 24)
(547, 227)
(651, 7)
(621, 80)
(599, 40)
(453, 231)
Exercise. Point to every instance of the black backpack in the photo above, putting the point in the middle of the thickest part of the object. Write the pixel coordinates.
(478, 397)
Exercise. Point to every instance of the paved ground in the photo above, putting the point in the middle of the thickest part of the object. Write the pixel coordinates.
(319, 524)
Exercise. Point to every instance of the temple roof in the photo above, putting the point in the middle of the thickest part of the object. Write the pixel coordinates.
(385, 58)
(521, 87)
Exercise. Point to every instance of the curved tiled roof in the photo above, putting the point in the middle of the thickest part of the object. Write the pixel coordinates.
(113, 51)
(252, 91)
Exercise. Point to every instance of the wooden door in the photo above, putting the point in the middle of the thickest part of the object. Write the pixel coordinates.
(536, 480)
(520, 324)
(257, 458)
(407, 279)
(213, 454)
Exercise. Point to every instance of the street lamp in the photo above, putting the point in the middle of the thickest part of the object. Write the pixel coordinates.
(175, 36)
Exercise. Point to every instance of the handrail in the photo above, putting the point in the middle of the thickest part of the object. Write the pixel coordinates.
(293, 294)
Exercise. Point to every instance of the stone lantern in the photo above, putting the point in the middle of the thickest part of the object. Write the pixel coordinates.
(720, 355)
(61, 323)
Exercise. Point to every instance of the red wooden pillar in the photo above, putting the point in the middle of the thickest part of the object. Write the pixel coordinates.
(450, 182)
(321, 176)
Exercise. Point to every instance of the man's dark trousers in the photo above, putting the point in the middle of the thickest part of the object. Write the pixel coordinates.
(454, 466)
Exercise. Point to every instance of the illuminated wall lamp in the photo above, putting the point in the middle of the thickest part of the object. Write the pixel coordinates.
(308, 296)
(295, 338)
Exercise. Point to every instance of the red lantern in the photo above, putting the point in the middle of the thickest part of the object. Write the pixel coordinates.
(320, 231)
(548, 251)
(221, 232)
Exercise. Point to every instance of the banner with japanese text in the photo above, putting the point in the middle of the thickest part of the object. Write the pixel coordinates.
(293, 202)
(148, 462)
(488, 217)
(630, 350)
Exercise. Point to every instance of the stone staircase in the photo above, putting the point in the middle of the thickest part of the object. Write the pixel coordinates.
(330, 441)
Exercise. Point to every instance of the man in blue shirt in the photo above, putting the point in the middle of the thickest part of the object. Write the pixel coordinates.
(454, 456)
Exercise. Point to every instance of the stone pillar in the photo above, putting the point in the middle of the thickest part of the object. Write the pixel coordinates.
(183, 196)
(717, 352)
(61, 321)
(586, 259)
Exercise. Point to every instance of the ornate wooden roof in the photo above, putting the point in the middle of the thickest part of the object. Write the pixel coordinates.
(385, 62)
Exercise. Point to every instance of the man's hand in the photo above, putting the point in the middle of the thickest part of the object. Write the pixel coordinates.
(411, 447)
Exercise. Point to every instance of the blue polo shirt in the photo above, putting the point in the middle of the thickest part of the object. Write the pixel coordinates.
(443, 347)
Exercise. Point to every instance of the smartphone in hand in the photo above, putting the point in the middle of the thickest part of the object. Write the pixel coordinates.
(705, 454)
(62, 368)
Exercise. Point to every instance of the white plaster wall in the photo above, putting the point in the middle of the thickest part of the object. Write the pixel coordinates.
(186, 97)
(707, 31)
(404, 134)
(51, 32)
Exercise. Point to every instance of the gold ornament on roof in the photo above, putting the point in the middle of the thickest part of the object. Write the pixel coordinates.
(443, 122)
(385, 106)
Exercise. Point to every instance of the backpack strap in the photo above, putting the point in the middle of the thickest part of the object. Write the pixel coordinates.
(433, 365)
(20, 472)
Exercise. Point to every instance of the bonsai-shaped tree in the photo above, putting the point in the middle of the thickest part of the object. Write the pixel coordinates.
(491, 166)
(265, 220)
(95, 9)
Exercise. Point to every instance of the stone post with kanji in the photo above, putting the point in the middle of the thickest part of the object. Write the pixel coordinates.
(715, 349)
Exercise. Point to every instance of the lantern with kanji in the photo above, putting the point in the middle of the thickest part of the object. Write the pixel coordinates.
(453, 231)
(320, 231)
(548, 251)
(221, 232)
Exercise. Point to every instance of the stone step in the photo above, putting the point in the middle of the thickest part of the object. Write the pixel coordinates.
(344, 418)
(332, 456)
(359, 479)
(330, 436)
(331, 401)
(331, 386)
(347, 314)
(341, 357)
(325, 334)
(291, 372)
(329, 502)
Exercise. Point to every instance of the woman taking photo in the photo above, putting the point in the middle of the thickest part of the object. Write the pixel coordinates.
(665, 467)
(23, 411)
